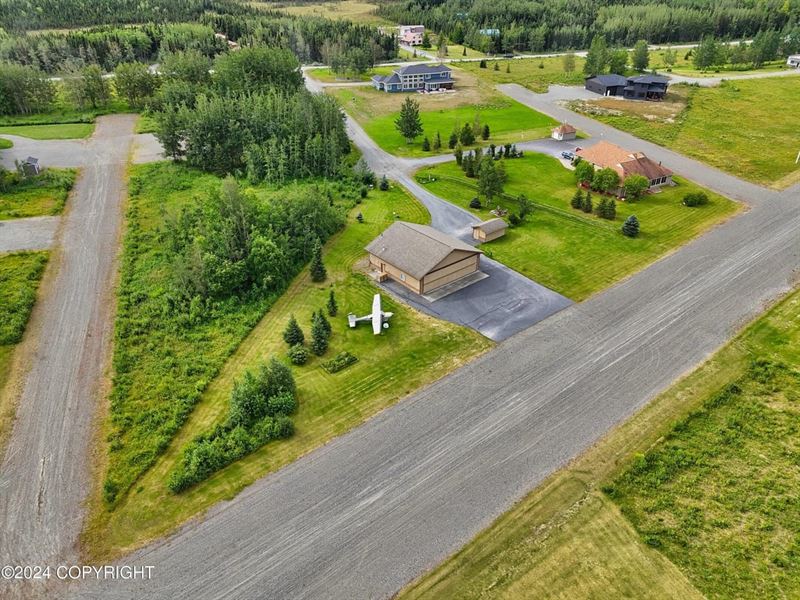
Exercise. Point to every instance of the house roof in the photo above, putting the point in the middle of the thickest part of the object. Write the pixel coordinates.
(491, 225)
(650, 79)
(565, 128)
(393, 78)
(415, 249)
(605, 154)
(609, 80)
(422, 69)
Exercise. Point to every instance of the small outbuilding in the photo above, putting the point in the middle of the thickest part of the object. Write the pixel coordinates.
(30, 166)
(489, 230)
(565, 131)
(420, 257)
(793, 61)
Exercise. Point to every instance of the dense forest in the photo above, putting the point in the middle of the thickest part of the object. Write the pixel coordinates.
(537, 25)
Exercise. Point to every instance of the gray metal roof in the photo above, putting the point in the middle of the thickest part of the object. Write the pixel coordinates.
(612, 79)
(491, 225)
(393, 78)
(415, 249)
(649, 79)
(422, 69)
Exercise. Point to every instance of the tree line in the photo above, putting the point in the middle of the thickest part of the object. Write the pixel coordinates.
(499, 26)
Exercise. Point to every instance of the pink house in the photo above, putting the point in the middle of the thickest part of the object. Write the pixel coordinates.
(411, 34)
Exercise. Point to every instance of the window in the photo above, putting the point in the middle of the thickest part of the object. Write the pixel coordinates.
(402, 276)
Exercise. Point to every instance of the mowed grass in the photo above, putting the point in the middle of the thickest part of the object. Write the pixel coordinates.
(684, 65)
(567, 539)
(326, 75)
(20, 273)
(566, 250)
(44, 194)
(55, 131)
(508, 120)
(6, 144)
(414, 351)
(736, 127)
(536, 74)
(348, 10)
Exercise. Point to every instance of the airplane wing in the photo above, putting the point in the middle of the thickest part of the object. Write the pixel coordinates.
(377, 314)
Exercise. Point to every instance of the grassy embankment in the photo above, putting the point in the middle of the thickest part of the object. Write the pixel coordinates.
(415, 351)
(20, 273)
(536, 74)
(508, 120)
(54, 131)
(707, 476)
(733, 127)
(45, 194)
(565, 249)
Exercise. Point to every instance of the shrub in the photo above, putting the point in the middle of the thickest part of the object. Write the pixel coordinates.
(695, 199)
(634, 187)
(426, 144)
(475, 203)
(584, 172)
(514, 219)
(630, 227)
(340, 361)
(384, 184)
(363, 191)
(298, 355)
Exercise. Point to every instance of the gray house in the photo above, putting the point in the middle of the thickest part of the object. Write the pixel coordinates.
(642, 87)
(415, 77)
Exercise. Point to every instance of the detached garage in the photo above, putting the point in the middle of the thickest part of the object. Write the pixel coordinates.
(420, 257)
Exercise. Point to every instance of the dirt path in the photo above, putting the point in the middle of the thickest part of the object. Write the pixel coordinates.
(45, 477)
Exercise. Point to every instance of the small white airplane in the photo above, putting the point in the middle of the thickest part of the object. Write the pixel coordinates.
(378, 317)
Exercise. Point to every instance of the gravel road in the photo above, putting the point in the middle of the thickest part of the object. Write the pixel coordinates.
(45, 474)
(35, 233)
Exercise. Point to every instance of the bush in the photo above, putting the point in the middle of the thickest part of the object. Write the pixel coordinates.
(514, 219)
(339, 362)
(695, 199)
(384, 184)
(631, 226)
(475, 203)
(298, 355)
(577, 200)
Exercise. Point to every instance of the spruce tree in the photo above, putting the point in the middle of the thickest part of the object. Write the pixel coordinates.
(467, 136)
(508, 67)
(459, 154)
(319, 335)
(464, 53)
(384, 184)
(485, 132)
(317, 267)
(587, 203)
(437, 142)
(409, 123)
(611, 210)
(496, 66)
(600, 208)
(630, 227)
(451, 143)
(577, 200)
(293, 335)
(333, 308)
(426, 144)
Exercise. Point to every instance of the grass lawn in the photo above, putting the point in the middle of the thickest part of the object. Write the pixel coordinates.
(6, 144)
(685, 66)
(44, 194)
(567, 539)
(509, 121)
(414, 351)
(325, 75)
(536, 74)
(560, 247)
(733, 127)
(456, 51)
(56, 131)
(349, 10)
(145, 124)
(20, 273)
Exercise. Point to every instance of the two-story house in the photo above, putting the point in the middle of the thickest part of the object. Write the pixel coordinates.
(412, 78)
(412, 34)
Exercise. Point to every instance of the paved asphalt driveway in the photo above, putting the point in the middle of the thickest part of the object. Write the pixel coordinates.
(498, 306)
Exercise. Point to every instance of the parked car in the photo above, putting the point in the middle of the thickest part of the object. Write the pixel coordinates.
(568, 155)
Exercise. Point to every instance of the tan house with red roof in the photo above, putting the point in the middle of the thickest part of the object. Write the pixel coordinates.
(565, 131)
(605, 154)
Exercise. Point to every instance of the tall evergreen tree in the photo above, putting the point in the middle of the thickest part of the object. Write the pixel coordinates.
(320, 337)
(641, 56)
(409, 123)
(332, 306)
(587, 203)
(437, 142)
(597, 57)
(317, 267)
(293, 335)
(426, 144)
(577, 200)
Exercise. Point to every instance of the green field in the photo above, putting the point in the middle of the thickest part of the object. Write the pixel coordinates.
(508, 120)
(534, 73)
(6, 144)
(685, 66)
(708, 476)
(20, 273)
(357, 11)
(325, 75)
(415, 351)
(56, 131)
(44, 194)
(566, 250)
(733, 127)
